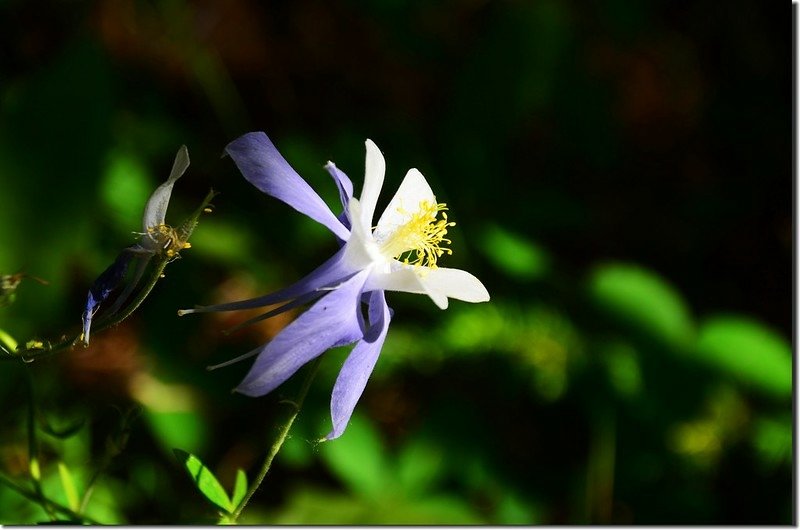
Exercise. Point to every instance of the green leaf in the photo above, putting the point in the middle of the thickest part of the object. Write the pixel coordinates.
(514, 255)
(748, 351)
(7, 341)
(357, 458)
(239, 489)
(419, 466)
(644, 300)
(772, 440)
(204, 480)
(69, 487)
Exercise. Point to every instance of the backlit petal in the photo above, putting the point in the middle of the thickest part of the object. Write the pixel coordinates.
(375, 169)
(454, 283)
(266, 169)
(405, 279)
(357, 368)
(343, 183)
(439, 284)
(156, 208)
(332, 320)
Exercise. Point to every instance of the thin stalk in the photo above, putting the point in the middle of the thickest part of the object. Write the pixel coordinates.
(33, 448)
(282, 435)
(38, 498)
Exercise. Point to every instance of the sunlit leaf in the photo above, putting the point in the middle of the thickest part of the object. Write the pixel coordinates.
(7, 341)
(514, 255)
(357, 458)
(69, 486)
(240, 488)
(643, 299)
(204, 480)
(748, 351)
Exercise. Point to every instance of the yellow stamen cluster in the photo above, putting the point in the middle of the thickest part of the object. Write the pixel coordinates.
(169, 240)
(421, 237)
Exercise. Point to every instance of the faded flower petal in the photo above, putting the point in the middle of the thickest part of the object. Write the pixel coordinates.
(332, 320)
(266, 169)
(101, 289)
(156, 209)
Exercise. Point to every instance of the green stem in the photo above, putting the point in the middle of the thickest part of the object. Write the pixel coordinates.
(33, 447)
(282, 435)
(39, 498)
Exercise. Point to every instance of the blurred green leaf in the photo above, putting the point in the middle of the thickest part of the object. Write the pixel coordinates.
(748, 351)
(125, 189)
(296, 451)
(357, 458)
(511, 510)
(239, 489)
(204, 480)
(225, 242)
(317, 507)
(514, 255)
(69, 486)
(177, 429)
(772, 439)
(624, 372)
(419, 466)
(643, 299)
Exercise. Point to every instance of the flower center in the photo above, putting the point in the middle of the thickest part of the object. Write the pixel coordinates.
(168, 239)
(419, 240)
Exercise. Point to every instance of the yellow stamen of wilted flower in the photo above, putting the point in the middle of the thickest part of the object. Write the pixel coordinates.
(168, 239)
(421, 237)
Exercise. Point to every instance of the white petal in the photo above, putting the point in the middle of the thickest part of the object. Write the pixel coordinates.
(360, 250)
(455, 283)
(375, 168)
(412, 191)
(156, 208)
(405, 279)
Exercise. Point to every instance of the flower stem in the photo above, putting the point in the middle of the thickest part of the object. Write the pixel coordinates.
(41, 499)
(282, 435)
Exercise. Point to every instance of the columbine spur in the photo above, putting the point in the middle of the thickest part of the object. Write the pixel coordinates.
(399, 254)
(157, 238)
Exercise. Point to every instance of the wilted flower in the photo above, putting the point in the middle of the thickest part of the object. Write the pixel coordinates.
(157, 239)
(399, 254)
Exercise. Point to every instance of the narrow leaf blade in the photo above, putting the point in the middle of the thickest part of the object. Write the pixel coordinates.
(240, 488)
(204, 480)
(69, 486)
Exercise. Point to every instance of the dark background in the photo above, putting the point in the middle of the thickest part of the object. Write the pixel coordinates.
(620, 173)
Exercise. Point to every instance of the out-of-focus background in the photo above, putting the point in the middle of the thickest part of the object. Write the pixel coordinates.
(620, 173)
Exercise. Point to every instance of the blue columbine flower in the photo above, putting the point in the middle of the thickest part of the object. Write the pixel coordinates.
(399, 254)
(157, 238)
